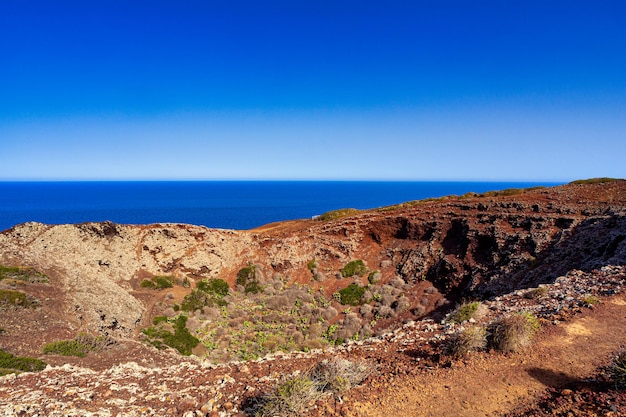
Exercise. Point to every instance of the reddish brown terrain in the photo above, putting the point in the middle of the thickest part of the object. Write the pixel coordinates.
(558, 253)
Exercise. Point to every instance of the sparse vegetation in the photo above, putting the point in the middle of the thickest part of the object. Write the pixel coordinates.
(80, 346)
(352, 268)
(18, 273)
(513, 332)
(503, 193)
(158, 282)
(337, 214)
(464, 312)
(595, 180)
(17, 299)
(15, 364)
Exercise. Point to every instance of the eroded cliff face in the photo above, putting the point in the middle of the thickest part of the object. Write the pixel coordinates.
(476, 246)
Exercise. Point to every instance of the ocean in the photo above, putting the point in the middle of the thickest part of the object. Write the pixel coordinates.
(216, 204)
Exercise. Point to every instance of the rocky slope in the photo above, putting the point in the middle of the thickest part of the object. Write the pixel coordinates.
(425, 257)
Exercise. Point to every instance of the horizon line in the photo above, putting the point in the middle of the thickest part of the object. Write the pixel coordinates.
(520, 180)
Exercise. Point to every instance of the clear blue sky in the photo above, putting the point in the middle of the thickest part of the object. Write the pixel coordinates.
(415, 90)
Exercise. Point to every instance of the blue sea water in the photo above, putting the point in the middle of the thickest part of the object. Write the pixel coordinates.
(219, 204)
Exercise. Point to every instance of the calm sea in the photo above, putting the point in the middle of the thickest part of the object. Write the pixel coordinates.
(220, 204)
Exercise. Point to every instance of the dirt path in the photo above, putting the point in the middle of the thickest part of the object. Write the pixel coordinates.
(492, 384)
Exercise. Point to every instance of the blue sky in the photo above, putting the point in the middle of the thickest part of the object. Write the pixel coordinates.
(408, 90)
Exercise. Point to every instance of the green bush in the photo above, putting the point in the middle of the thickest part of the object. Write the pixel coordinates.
(514, 332)
(312, 264)
(80, 346)
(208, 293)
(464, 312)
(353, 268)
(247, 278)
(14, 364)
(158, 282)
(351, 295)
(215, 286)
(197, 299)
(181, 339)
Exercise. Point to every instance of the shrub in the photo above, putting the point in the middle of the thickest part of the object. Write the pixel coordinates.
(158, 282)
(338, 375)
(514, 332)
(617, 369)
(402, 303)
(15, 364)
(468, 340)
(290, 397)
(318, 276)
(208, 293)
(197, 300)
(352, 295)
(464, 312)
(374, 277)
(353, 268)
(215, 286)
(247, 278)
(312, 265)
(79, 346)
(181, 339)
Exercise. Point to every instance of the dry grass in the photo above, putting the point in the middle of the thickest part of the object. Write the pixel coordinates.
(294, 394)
(338, 374)
(617, 369)
(465, 312)
(514, 332)
(468, 340)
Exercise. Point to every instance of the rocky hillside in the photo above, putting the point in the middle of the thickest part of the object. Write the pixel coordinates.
(300, 285)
